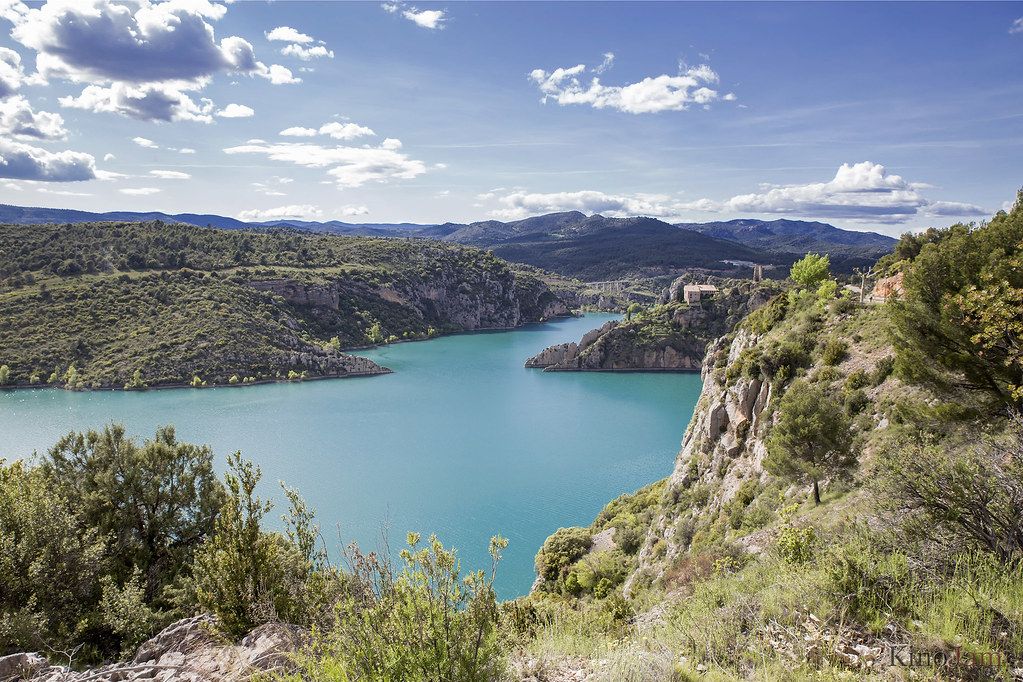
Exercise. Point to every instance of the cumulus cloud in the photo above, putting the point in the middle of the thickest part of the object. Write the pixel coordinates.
(139, 58)
(236, 111)
(145, 142)
(292, 212)
(348, 166)
(863, 191)
(349, 211)
(277, 74)
(11, 73)
(335, 129)
(139, 191)
(147, 102)
(109, 157)
(19, 120)
(692, 85)
(1017, 26)
(288, 34)
(24, 162)
(169, 175)
(523, 204)
(307, 53)
(186, 150)
(297, 131)
(427, 18)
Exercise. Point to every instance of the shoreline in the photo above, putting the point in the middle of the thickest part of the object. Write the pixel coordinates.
(262, 382)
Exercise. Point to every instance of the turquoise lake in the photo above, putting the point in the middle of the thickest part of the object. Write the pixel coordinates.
(461, 440)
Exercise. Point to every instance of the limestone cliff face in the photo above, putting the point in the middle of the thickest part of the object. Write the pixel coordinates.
(462, 299)
(617, 347)
(670, 336)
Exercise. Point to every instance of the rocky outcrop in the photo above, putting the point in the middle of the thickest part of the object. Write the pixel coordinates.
(671, 336)
(454, 298)
(186, 651)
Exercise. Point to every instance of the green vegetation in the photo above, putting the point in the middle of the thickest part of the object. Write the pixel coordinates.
(112, 305)
(811, 271)
(957, 326)
(812, 438)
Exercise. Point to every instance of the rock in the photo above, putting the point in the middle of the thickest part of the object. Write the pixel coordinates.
(22, 666)
(185, 651)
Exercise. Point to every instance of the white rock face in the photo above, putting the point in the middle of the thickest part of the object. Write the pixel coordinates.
(185, 651)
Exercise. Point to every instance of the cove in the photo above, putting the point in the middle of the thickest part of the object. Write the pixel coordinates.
(461, 440)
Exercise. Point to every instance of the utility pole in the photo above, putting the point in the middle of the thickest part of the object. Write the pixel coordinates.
(863, 283)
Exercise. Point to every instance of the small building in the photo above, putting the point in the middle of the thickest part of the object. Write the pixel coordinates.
(694, 293)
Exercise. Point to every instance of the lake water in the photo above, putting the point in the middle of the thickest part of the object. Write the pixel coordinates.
(461, 440)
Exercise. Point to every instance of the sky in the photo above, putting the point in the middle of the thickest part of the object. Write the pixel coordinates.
(878, 116)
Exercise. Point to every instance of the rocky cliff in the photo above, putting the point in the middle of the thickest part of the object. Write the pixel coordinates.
(670, 336)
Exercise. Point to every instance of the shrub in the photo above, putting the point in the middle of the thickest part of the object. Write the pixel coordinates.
(795, 544)
(244, 575)
(5, 375)
(423, 621)
(835, 351)
(561, 550)
(856, 380)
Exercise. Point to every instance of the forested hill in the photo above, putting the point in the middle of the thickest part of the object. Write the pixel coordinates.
(571, 243)
(136, 304)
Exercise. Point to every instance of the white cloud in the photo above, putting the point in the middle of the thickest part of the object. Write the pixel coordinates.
(864, 192)
(109, 157)
(335, 129)
(288, 34)
(146, 102)
(307, 53)
(1017, 26)
(139, 58)
(427, 18)
(349, 211)
(349, 166)
(293, 212)
(139, 191)
(236, 111)
(145, 142)
(11, 74)
(169, 175)
(186, 150)
(109, 175)
(650, 95)
(63, 192)
(277, 74)
(345, 131)
(609, 60)
(523, 204)
(297, 131)
(19, 120)
(24, 162)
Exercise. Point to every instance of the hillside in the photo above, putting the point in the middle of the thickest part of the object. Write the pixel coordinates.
(90, 305)
(668, 336)
(845, 505)
(593, 248)
(797, 236)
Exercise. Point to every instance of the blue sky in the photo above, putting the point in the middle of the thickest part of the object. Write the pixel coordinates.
(880, 116)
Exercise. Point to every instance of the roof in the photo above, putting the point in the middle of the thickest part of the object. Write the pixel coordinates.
(702, 288)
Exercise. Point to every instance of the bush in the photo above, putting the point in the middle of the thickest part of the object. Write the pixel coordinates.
(561, 550)
(422, 622)
(835, 351)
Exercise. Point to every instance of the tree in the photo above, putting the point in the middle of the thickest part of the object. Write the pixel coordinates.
(633, 309)
(244, 575)
(811, 439)
(811, 270)
(155, 502)
(5, 375)
(957, 323)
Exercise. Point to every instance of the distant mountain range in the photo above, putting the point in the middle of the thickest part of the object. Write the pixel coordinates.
(571, 243)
